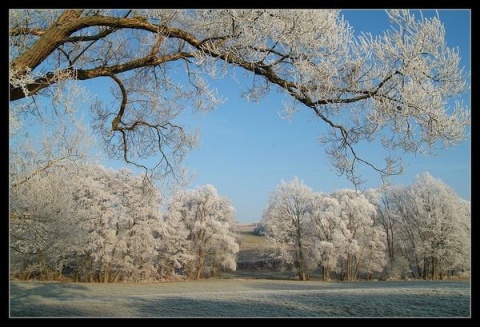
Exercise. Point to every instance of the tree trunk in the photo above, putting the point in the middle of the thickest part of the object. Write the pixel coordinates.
(389, 233)
(302, 271)
(45, 271)
(419, 267)
(357, 266)
(48, 42)
(425, 268)
(392, 246)
(301, 275)
(117, 277)
(349, 267)
(434, 268)
(199, 272)
(326, 273)
(90, 274)
(200, 265)
(106, 276)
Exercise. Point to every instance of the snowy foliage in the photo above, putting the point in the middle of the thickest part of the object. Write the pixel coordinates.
(397, 88)
(287, 221)
(207, 220)
(121, 213)
(42, 230)
(428, 229)
(364, 248)
(434, 227)
(326, 223)
(336, 232)
(97, 222)
(90, 223)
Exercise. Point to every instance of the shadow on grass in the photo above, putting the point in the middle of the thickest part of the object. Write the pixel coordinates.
(294, 299)
(277, 284)
(267, 304)
(333, 306)
(208, 308)
(59, 291)
(26, 299)
(304, 305)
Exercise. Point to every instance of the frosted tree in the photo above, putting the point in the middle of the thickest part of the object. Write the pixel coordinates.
(97, 224)
(96, 205)
(400, 87)
(435, 226)
(385, 216)
(139, 220)
(174, 250)
(120, 219)
(94, 223)
(387, 202)
(328, 238)
(364, 248)
(373, 255)
(42, 161)
(287, 222)
(44, 156)
(406, 240)
(208, 221)
(463, 261)
(42, 228)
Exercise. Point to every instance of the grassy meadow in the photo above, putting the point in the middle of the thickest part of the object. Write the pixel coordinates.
(241, 298)
(243, 294)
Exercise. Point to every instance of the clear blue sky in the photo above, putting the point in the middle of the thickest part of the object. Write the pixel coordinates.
(246, 149)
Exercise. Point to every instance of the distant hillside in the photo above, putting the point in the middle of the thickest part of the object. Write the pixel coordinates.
(252, 246)
(246, 227)
(253, 260)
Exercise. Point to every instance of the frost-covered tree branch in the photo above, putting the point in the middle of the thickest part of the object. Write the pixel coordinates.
(398, 87)
(62, 137)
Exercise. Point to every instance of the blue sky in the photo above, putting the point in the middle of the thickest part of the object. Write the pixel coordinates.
(246, 149)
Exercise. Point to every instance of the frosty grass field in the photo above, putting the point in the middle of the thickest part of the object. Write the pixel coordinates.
(242, 298)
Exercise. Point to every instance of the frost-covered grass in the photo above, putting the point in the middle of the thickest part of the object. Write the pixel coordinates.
(242, 298)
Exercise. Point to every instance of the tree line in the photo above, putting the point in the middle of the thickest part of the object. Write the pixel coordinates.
(92, 224)
(86, 223)
(416, 231)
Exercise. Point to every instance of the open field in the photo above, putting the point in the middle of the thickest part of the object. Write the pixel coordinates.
(248, 292)
(242, 298)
